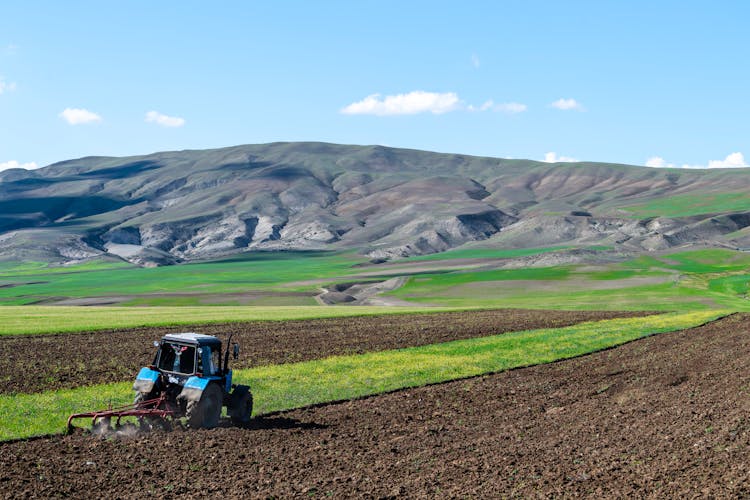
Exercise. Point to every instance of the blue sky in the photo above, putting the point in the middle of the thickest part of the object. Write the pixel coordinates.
(628, 82)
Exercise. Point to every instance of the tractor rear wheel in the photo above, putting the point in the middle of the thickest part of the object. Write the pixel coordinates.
(205, 413)
(242, 407)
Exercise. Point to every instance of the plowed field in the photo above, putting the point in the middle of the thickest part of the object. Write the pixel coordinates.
(75, 359)
(662, 416)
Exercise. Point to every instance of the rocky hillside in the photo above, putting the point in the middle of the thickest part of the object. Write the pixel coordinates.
(383, 202)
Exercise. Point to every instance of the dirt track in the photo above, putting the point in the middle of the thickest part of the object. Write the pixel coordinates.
(54, 361)
(663, 416)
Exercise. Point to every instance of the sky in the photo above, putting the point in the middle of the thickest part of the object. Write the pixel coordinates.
(639, 82)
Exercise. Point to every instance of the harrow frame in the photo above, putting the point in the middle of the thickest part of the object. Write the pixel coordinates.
(152, 408)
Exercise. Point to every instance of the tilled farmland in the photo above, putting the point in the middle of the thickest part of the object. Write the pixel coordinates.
(88, 358)
(662, 416)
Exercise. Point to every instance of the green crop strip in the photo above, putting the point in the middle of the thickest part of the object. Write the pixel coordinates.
(686, 205)
(25, 320)
(282, 387)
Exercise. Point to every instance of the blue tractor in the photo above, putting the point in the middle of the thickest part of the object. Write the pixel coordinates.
(188, 378)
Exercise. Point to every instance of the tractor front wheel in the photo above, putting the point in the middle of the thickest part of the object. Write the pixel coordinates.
(140, 397)
(205, 413)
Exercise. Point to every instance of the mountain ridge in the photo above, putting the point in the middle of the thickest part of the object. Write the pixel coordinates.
(169, 207)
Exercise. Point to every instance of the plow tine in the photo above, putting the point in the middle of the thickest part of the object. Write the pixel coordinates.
(140, 410)
(70, 424)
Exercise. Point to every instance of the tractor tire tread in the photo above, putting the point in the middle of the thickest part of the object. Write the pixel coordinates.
(206, 412)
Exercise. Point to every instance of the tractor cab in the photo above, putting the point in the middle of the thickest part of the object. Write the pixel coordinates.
(186, 354)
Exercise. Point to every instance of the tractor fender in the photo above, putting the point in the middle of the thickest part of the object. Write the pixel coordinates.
(193, 388)
(145, 380)
(239, 390)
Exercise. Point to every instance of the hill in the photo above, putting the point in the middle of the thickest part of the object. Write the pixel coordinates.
(384, 203)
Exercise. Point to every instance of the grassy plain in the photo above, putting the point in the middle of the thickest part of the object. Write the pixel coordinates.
(690, 204)
(261, 271)
(22, 320)
(471, 277)
(280, 387)
(694, 280)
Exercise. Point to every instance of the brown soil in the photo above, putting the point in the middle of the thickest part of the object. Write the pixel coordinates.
(71, 360)
(665, 416)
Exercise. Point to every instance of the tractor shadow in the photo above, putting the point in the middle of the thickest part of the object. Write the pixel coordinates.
(274, 422)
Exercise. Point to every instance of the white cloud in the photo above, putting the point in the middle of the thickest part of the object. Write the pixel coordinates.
(511, 107)
(567, 105)
(475, 61)
(733, 160)
(424, 102)
(6, 86)
(405, 104)
(78, 116)
(10, 49)
(164, 120)
(551, 157)
(485, 106)
(657, 162)
(14, 164)
(504, 107)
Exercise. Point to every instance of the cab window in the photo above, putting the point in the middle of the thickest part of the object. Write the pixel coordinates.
(177, 358)
(208, 360)
(216, 360)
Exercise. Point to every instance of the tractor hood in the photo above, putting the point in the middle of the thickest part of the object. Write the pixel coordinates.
(145, 380)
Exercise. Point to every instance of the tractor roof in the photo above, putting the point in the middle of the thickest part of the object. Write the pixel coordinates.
(192, 338)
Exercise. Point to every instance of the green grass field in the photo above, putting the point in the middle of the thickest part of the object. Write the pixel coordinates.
(271, 274)
(25, 320)
(280, 387)
(21, 269)
(686, 205)
(263, 271)
(693, 280)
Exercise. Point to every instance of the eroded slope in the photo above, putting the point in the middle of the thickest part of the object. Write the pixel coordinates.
(388, 203)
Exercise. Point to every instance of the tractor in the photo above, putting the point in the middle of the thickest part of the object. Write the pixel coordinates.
(186, 379)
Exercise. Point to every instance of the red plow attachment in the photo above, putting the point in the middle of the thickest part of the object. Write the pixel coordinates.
(143, 411)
